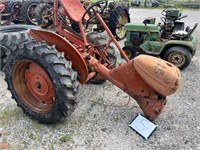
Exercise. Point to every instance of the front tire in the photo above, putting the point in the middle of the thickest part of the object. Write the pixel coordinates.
(41, 81)
(179, 56)
(129, 51)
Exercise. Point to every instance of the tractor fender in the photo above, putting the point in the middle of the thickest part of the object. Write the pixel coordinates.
(152, 47)
(191, 45)
(62, 45)
(158, 48)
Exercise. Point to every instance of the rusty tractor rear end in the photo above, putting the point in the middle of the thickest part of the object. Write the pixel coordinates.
(43, 74)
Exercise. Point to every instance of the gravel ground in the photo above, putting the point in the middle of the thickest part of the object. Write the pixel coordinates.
(101, 120)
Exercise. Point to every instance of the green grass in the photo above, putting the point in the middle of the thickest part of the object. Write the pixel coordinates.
(6, 115)
(65, 137)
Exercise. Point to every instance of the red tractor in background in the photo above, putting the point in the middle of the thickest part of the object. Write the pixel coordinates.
(26, 10)
(40, 12)
(10, 16)
(115, 14)
(43, 74)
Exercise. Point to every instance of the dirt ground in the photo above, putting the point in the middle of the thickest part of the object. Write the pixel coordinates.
(102, 117)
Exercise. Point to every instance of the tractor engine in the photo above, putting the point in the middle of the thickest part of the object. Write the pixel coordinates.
(138, 33)
(171, 22)
(136, 38)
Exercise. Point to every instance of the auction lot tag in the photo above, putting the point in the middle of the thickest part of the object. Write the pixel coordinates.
(143, 126)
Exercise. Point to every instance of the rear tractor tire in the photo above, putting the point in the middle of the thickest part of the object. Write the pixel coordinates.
(10, 36)
(10, 7)
(179, 56)
(41, 13)
(41, 81)
(27, 11)
(118, 18)
(111, 56)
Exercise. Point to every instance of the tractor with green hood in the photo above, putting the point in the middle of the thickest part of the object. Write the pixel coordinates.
(170, 41)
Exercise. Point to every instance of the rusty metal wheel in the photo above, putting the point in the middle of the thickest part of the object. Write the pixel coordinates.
(118, 18)
(41, 81)
(37, 92)
(179, 56)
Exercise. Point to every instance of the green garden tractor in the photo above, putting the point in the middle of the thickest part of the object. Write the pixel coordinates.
(171, 40)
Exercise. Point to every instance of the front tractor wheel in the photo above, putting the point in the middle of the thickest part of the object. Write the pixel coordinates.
(129, 51)
(179, 56)
(41, 81)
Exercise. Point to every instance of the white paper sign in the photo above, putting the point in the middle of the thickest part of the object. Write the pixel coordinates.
(143, 126)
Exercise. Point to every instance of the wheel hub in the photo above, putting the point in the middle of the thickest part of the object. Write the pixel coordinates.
(122, 20)
(39, 84)
(177, 59)
(128, 53)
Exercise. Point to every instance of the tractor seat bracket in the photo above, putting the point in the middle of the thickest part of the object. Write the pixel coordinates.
(74, 9)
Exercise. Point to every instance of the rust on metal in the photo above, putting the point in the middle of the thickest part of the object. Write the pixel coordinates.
(33, 85)
(112, 37)
(161, 75)
(151, 95)
(4, 145)
(74, 9)
(145, 78)
(39, 83)
(152, 107)
(62, 45)
(2, 7)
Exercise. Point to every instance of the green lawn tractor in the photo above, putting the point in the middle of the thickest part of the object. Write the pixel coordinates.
(170, 41)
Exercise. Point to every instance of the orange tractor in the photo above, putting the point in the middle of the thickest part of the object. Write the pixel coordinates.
(43, 74)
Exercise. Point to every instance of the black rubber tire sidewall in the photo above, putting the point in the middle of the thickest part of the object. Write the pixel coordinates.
(113, 20)
(10, 36)
(131, 50)
(39, 11)
(24, 11)
(183, 50)
(8, 9)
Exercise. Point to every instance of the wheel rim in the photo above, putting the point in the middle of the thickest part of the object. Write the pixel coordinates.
(177, 59)
(31, 13)
(33, 85)
(128, 53)
(46, 15)
(14, 8)
(122, 20)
